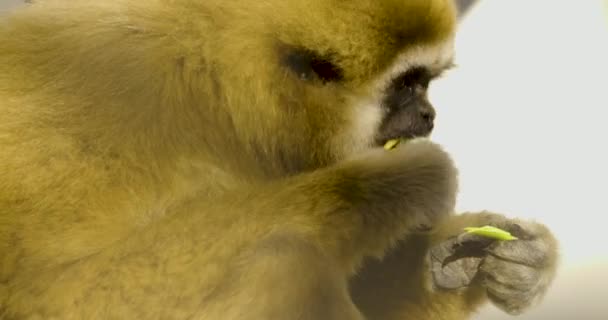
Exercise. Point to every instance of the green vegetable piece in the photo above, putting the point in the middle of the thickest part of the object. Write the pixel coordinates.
(392, 144)
(491, 232)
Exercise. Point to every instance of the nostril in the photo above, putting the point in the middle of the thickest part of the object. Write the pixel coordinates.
(427, 115)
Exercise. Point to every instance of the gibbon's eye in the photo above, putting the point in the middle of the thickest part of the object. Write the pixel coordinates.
(408, 81)
(309, 65)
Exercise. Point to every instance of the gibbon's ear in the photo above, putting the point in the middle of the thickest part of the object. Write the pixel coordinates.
(464, 6)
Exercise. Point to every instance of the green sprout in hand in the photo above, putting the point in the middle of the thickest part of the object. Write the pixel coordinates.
(491, 232)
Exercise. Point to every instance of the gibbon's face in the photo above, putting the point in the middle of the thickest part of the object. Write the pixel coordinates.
(343, 76)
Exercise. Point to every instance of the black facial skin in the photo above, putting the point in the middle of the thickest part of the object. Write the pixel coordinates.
(409, 114)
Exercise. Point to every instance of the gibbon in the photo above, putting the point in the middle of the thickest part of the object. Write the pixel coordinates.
(222, 159)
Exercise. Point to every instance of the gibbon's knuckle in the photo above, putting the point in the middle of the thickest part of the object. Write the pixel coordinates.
(538, 232)
(514, 286)
(533, 253)
(517, 276)
(423, 158)
(431, 172)
(536, 246)
(511, 301)
(516, 292)
(420, 147)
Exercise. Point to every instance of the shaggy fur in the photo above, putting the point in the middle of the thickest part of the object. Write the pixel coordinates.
(160, 161)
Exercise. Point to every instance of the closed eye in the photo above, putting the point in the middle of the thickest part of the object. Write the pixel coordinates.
(417, 76)
(309, 65)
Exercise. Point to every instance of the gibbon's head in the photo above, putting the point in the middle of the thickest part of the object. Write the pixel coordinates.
(309, 82)
(273, 87)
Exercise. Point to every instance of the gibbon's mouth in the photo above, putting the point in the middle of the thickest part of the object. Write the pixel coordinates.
(384, 140)
(404, 123)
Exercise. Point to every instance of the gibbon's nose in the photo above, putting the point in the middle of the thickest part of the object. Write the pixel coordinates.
(426, 118)
(427, 114)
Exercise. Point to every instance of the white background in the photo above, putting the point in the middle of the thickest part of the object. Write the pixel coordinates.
(525, 116)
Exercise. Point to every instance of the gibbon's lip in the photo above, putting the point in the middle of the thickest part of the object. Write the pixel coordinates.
(403, 134)
(384, 140)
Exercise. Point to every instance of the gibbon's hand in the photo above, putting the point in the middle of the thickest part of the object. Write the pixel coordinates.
(415, 183)
(515, 274)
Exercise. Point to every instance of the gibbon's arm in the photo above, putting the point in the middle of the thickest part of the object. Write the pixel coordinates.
(295, 241)
(400, 287)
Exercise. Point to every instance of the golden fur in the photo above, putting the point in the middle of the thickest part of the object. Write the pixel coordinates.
(158, 162)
